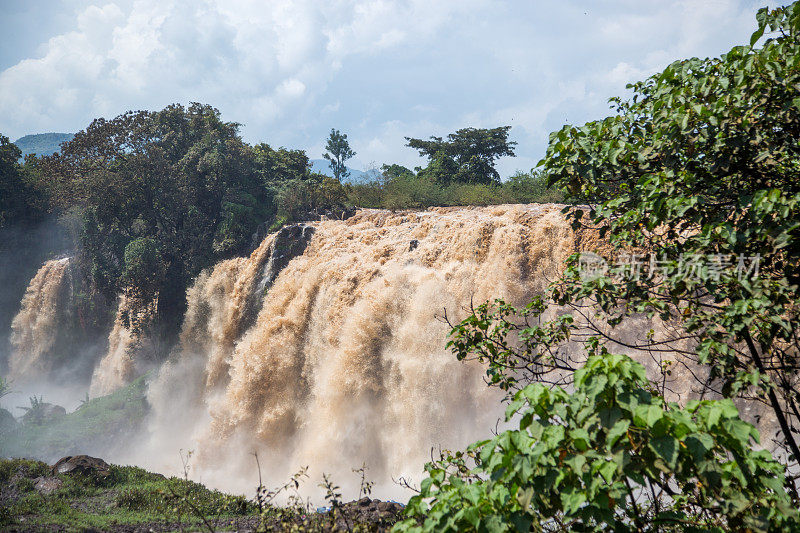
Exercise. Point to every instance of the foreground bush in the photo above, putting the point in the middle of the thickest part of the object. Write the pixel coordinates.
(611, 455)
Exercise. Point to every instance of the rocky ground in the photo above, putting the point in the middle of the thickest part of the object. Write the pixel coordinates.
(82, 493)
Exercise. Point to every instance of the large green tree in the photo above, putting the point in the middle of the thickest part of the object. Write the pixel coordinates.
(174, 190)
(700, 172)
(466, 156)
(21, 200)
(281, 165)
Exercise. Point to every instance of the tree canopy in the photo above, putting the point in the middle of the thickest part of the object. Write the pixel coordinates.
(176, 186)
(467, 156)
(700, 171)
(21, 200)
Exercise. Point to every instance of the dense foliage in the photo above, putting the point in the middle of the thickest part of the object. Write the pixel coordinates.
(160, 195)
(701, 170)
(694, 186)
(610, 455)
(398, 188)
(21, 200)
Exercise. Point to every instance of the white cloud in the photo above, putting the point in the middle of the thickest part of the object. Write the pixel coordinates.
(289, 70)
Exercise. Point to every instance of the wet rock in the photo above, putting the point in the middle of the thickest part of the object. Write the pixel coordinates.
(290, 241)
(389, 507)
(338, 213)
(374, 515)
(82, 465)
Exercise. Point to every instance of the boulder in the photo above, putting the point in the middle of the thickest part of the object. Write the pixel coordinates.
(379, 514)
(84, 465)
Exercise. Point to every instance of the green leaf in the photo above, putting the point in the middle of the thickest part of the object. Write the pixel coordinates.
(572, 500)
(608, 470)
(666, 448)
(619, 429)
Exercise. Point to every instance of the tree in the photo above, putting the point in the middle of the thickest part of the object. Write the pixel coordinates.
(175, 190)
(21, 201)
(393, 171)
(702, 165)
(467, 156)
(275, 166)
(338, 152)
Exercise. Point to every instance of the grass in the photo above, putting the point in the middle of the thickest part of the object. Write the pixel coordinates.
(92, 428)
(128, 496)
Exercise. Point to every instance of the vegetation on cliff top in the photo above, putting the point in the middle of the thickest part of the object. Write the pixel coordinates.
(148, 199)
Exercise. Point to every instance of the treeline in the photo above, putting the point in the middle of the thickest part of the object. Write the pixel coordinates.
(400, 188)
(148, 199)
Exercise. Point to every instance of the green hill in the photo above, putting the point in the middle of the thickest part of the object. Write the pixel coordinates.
(42, 143)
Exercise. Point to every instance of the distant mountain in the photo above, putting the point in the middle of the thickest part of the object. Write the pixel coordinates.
(42, 143)
(356, 176)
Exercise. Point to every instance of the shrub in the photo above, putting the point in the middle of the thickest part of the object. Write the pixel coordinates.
(477, 194)
(611, 455)
(530, 187)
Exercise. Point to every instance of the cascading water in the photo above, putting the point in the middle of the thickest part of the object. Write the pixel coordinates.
(344, 360)
(119, 366)
(326, 346)
(36, 327)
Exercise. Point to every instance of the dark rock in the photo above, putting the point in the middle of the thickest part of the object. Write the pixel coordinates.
(369, 515)
(337, 213)
(81, 464)
(289, 242)
(413, 245)
(391, 507)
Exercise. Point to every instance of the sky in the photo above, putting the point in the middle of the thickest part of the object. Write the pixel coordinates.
(377, 70)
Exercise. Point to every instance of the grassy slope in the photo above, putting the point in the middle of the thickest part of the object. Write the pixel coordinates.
(128, 497)
(91, 429)
(132, 499)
